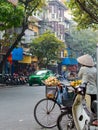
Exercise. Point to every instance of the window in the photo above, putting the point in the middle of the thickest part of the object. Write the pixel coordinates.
(53, 15)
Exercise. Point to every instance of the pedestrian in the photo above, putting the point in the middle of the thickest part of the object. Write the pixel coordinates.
(87, 73)
(8, 67)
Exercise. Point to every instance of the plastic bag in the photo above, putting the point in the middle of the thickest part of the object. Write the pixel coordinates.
(62, 95)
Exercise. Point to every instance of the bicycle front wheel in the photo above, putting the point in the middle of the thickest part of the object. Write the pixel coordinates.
(46, 113)
(65, 121)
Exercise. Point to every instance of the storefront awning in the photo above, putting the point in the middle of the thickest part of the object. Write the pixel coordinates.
(69, 61)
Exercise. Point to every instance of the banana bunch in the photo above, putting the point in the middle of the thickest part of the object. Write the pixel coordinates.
(52, 81)
(75, 83)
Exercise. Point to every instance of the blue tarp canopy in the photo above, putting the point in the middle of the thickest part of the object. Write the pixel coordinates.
(17, 54)
(69, 61)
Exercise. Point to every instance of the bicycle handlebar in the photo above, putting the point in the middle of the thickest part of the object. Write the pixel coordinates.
(81, 89)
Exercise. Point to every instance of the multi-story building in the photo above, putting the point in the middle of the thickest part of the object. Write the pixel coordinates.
(54, 19)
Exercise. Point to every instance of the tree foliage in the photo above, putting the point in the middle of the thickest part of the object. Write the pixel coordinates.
(85, 12)
(10, 16)
(46, 47)
(14, 16)
(17, 16)
(82, 41)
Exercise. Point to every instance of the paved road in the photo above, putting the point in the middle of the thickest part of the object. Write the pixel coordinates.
(16, 107)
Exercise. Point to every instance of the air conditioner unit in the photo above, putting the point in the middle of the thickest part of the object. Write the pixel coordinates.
(60, 19)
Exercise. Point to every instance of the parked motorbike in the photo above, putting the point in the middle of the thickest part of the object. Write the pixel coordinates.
(14, 79)
(84, 118)
(81, 117)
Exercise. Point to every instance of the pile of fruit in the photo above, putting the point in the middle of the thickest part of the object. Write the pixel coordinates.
(52, 81)
(75, 83)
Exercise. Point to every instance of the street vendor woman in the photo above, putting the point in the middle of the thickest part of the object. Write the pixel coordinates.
(87, 73)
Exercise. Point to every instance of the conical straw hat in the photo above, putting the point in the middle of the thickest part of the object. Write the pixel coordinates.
(86, 60)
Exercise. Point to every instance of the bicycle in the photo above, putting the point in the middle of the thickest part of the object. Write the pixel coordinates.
(85, 118)
(65, 120)
(47, 110)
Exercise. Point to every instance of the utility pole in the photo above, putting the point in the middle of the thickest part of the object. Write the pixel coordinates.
(97, 77)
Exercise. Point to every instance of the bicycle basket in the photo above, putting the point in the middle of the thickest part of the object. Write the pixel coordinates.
(50, 92)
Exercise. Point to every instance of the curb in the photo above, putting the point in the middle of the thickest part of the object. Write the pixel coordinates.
(8, 86)
(3, 86)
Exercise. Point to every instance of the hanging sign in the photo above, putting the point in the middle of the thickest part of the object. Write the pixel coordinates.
(26, 59)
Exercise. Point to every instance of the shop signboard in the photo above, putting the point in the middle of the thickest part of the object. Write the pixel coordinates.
(26, 59)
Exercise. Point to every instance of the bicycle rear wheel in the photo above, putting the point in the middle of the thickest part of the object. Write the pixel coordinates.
(65, 121)
(46, 113)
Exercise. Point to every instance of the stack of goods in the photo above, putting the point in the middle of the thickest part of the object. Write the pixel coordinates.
(52, 81)
(75, 83)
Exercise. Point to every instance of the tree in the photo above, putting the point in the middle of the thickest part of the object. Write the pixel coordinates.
(47, 48)
(16, 16)
(82, 41)
(85, 12)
